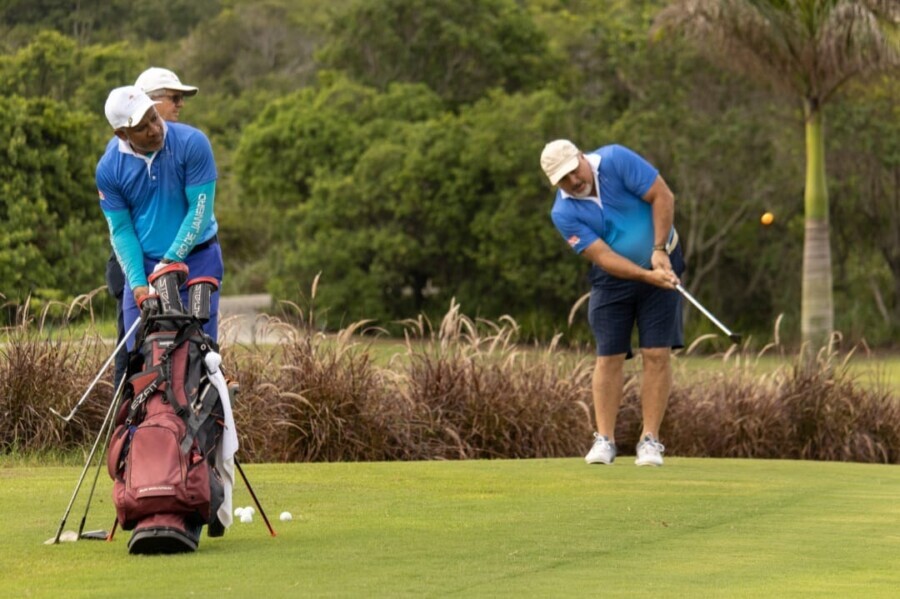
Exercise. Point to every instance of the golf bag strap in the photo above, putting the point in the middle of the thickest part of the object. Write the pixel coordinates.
(148, 382)
(162, 373)
(182, 409)
(207, 403)
(193, 421)
(184, 333)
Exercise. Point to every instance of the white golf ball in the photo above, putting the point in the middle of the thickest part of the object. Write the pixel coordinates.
(245, 517)
(249, 510)
(285, 516)
(238, 512)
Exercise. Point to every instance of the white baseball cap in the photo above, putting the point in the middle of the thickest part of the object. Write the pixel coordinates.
(559, 158)
(157, 79)
(126, 106)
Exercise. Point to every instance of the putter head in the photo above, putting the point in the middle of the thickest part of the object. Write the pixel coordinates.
(735, 338)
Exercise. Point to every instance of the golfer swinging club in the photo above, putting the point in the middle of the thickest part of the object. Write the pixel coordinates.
(614, 208)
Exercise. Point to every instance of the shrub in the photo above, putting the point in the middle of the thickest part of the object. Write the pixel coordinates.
(475, 394)
(797, 412)
(40, 370)
(463, 389)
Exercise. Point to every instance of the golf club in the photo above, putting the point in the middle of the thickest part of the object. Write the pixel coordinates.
(736, 338)
(252, 494)
(87, 464)
(99, 374)
(99, 534)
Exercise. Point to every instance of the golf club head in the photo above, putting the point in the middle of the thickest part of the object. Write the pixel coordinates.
(735, 338)
(95, 535)
(65, 418)
(70, 536)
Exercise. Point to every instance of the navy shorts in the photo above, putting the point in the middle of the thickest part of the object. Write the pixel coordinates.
(616, 305)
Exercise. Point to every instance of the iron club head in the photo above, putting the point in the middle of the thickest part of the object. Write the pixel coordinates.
(65, 418)
(735, 338)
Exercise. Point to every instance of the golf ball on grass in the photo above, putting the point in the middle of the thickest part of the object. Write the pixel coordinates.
(767, 219)
(246, 517)
(238, 512)
(285, 516)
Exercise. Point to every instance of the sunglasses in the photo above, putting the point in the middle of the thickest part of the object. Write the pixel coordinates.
(174, 98)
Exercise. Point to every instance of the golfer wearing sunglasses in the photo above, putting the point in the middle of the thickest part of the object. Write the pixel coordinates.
(164, 86)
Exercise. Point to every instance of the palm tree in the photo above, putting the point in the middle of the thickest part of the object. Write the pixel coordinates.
(808, 48)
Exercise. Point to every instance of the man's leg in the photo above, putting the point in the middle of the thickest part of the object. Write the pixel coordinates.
(655, 388)
(607, 387)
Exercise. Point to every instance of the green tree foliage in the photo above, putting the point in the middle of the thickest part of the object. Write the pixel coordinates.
(266, 44)
(108, 21)
(54, 237)
(306, 139)
(864, 159)
(525, 268)
(459, 48)
(402, 206)
(808, 48)
(45, 68)
(712, 122)
(53, 66)
(597, 46)
(52, 91)
(695, 123)
(406, 170)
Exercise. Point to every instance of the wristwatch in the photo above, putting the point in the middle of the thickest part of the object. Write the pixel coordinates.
(660, 248)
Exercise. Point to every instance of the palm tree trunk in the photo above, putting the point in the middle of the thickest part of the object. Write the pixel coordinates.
(817, 309)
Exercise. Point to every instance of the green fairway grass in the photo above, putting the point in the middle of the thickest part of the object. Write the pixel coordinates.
(534, 528)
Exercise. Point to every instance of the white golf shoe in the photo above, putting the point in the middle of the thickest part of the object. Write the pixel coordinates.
(602, 452)
(649, 452)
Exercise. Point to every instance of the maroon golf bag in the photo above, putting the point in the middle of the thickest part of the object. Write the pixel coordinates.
(163, 450)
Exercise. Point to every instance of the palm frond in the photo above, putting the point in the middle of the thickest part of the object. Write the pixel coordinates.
(808, 48)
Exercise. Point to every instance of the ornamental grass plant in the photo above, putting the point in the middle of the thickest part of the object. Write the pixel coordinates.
(460, 388)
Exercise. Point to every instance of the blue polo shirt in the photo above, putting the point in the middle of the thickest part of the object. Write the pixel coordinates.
(153, 190)
(618, 214)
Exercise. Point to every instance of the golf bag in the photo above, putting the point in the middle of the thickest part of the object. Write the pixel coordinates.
(166, 458)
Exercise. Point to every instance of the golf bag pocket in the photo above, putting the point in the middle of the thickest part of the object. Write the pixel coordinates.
(156, 476)
(118, 450)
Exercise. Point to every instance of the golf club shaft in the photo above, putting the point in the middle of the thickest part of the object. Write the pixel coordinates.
(253, 495)
(87, 464)
(733, 336)
(108, 424)
(99, 374)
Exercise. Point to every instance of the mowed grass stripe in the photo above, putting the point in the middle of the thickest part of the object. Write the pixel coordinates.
(537, 528)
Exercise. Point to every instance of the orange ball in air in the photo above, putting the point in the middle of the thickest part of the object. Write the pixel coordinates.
(767, 219)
